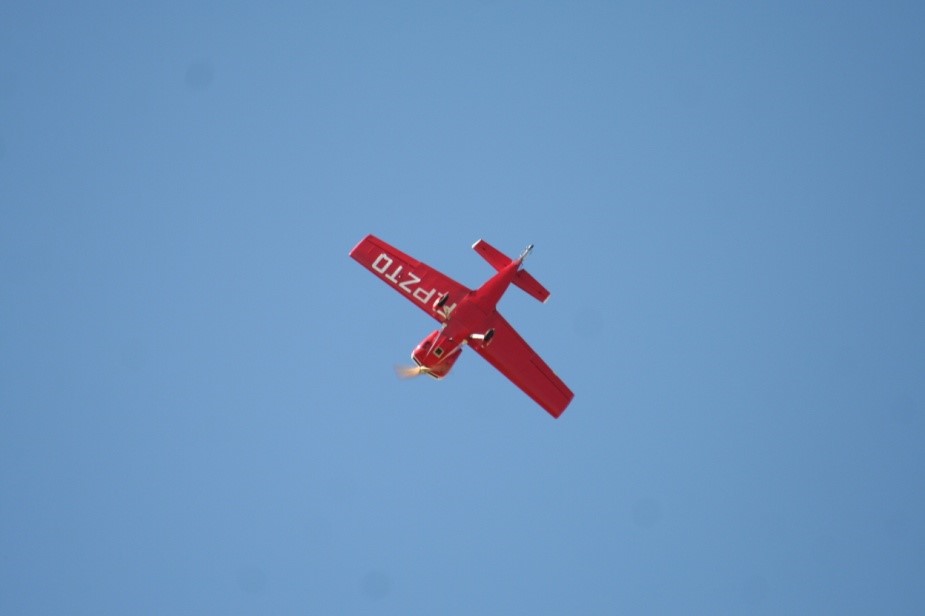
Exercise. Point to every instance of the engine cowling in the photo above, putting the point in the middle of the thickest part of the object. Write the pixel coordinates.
(438, 362)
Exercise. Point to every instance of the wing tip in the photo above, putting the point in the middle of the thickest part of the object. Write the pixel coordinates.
(353, 251)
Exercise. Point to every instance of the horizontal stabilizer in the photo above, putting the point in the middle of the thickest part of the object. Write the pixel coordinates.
(529, 284)
(495, 257)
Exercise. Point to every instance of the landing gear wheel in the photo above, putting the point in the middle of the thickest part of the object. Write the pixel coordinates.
(488, 336)
(441, 301)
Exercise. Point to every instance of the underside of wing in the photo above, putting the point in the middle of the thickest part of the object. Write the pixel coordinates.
(514, 358)
(420, 283)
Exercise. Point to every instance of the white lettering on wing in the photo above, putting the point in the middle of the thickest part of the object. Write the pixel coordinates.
(407, 283)
(385, 262)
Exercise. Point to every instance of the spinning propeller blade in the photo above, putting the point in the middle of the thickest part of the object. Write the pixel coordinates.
(408, 372)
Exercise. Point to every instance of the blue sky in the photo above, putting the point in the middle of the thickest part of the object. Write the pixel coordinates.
(198, 412)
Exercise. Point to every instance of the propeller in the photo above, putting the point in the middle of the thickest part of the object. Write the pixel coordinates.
(408, 372)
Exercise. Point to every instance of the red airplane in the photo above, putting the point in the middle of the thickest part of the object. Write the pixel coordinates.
(468, 317)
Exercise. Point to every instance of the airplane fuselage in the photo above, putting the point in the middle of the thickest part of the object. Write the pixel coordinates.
(468, 321)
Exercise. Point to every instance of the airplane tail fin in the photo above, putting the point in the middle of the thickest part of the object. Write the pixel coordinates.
(523, 279)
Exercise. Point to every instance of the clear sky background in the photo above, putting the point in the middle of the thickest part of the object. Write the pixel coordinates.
(198, 410)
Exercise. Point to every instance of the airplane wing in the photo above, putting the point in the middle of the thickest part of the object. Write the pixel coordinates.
(420, 283)
(514, 358)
